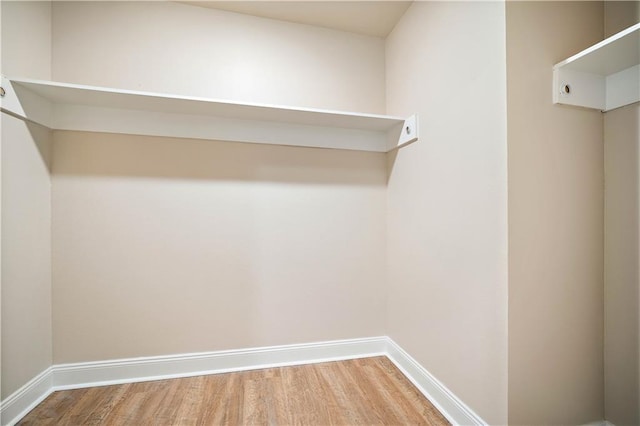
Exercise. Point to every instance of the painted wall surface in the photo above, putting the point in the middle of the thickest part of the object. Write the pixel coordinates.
(26, 253)
(26, 39)
(555, 222)
(622, 245)
(176, 48)
(1, 397)
(26, 206)
(622, 273)
(619, 15)
(447, 199)
(166, 246)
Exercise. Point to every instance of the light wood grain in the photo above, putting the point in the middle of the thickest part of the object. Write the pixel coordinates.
(368, 391)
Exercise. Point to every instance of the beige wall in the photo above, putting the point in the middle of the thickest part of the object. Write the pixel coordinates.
(26, 253)
(555, 222)
(447, 199)
(622, 275)
(1, 120)
(175, 48)
(619, 15)
(622, 241)
(172, 246)
(26, 39)
(26, 206)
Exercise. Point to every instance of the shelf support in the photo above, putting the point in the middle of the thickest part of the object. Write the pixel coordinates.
(403, 134)
(24, 104)
(594, 91)
(604, 76)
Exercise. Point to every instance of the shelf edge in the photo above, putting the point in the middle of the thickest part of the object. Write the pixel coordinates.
(107, 90)
(27, 99)
(598, 46)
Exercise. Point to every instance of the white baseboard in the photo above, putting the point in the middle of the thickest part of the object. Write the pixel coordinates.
(457, 412)
(19, 403)
(100, 373)
(88, 374)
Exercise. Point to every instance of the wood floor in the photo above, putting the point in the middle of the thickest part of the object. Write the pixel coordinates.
(369, 391)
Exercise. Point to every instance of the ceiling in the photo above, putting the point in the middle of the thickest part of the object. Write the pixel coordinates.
(372, 18)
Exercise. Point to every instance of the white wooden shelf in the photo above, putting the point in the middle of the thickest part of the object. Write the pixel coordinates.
(64, 106)
(605, 76)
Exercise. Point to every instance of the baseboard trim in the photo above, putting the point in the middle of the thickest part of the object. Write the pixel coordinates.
(101, 373)
(89, 374)
(19, 403)
(456, 411)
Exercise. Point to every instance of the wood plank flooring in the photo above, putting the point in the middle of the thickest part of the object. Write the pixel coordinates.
(368, 391)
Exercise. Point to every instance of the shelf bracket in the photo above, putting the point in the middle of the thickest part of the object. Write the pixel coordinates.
(403, 134)
(604, 76)
(594, 91)
(24, 104)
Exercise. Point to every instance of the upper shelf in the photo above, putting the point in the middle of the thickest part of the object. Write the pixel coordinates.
(604, 76)
(64, 106)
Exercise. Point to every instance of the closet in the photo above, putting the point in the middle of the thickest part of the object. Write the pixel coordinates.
(187, 189)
